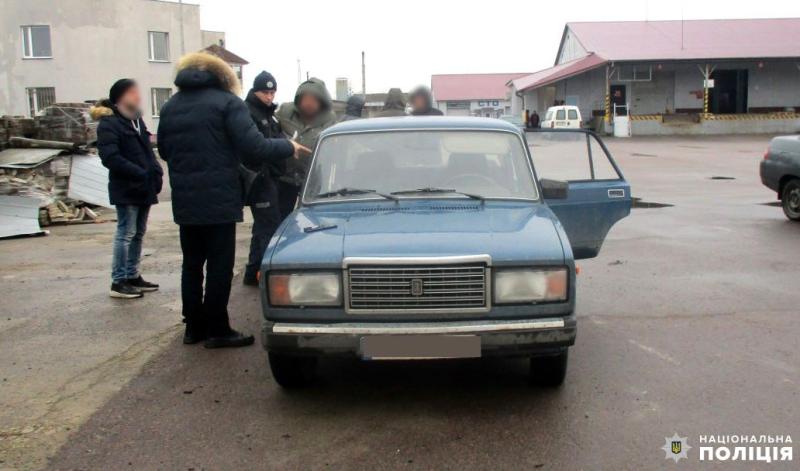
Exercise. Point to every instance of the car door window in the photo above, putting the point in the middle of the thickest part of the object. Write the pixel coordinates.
(573, 114)
(570, 156)
(560, 114)
(560, 155)
(603, 169)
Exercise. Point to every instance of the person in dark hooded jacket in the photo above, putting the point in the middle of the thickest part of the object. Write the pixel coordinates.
(354, 108)
(263, 196)
(134, 181)
(395, 104)
(421, 101)
(302, 120)
(205, 132)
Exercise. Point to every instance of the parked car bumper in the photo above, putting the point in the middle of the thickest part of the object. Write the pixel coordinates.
(771, 173)
(497, 337)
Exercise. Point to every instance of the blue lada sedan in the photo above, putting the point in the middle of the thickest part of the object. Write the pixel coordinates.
(431, 238)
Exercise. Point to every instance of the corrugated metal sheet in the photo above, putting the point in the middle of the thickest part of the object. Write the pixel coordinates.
(558, 72)
(19, 215)
(26, 158)
(694, 39)
(88, 180)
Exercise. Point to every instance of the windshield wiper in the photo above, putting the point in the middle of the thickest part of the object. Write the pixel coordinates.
(438, 190)
(355, 191)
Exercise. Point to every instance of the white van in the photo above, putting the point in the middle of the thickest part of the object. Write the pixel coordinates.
(563, 116)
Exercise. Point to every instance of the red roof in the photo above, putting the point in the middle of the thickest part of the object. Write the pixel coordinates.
(559, 72)
(455, 87)
(225, 55)
(702, 39)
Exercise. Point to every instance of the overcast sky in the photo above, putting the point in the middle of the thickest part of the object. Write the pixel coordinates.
(408, 40)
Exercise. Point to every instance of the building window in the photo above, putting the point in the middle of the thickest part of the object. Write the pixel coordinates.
(159, 46)
(237, 69)
(36, 42)
(159, 97)
(457, 105)
(634, 73)
(40, 98)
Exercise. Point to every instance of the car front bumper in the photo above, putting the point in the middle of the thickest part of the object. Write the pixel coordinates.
(519, 337)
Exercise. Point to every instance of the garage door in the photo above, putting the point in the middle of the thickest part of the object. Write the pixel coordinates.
(458, 108)
(458, 112)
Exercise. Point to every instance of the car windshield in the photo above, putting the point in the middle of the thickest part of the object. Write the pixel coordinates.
(463, 164)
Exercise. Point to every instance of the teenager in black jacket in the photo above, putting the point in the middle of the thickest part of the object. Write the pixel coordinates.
(134, 181)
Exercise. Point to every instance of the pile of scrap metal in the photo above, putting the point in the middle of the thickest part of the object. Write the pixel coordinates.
(58, 180)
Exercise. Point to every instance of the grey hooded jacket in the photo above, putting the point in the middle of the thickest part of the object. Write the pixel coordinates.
(395, 104)
(307, 133)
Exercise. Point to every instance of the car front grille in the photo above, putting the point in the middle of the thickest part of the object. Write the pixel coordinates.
(460, 288)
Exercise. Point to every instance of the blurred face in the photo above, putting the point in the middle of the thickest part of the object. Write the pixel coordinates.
(131, 101)
(266, 97)
(309, 106)
(419, 103)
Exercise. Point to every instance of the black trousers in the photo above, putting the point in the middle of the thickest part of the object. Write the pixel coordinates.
(215, 247)
(266, 219)
(287, 198)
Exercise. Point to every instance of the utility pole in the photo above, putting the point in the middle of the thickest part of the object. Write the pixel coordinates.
(298, 71)
(363, 76)
(180, 13)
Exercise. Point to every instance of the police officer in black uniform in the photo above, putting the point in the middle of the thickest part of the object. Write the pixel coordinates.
(263, 196)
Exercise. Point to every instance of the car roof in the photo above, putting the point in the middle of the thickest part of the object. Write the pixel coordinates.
(562, 106)
(416, 123)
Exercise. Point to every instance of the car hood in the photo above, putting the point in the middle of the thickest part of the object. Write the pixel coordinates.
(518, 233)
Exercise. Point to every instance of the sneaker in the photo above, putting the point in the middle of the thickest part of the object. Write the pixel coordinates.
(124, 290)
(232, 340)
(144, 286)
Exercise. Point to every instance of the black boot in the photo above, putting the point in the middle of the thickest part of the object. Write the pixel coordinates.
(194, 335)
(250, 279)
(231, 340)
(124, 290)
(142, 285)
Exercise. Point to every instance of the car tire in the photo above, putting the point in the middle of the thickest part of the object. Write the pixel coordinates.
(292, 372)
(790, 199)
(549, 371)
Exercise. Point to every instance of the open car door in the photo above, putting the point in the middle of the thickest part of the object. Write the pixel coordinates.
(598, 195)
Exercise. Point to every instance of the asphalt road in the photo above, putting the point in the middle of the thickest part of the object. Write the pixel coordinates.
(687, 324)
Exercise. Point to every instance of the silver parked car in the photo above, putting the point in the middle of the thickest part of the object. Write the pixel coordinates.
(780, 171)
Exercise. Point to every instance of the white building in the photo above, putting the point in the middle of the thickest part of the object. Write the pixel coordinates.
(73, 50)
(674, 77)
(472, 94)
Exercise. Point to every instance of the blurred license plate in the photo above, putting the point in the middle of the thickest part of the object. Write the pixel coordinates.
(411, 347)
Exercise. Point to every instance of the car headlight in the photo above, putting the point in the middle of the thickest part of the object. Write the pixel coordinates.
(305, 289)
(529, 285)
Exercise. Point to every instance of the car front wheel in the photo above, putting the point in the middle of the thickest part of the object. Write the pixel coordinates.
(292, 372)
(550, 370)
(791, 200)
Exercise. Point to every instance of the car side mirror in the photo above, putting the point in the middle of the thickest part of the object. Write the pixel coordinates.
(554, 189)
